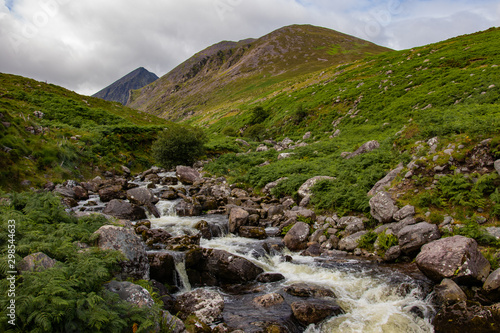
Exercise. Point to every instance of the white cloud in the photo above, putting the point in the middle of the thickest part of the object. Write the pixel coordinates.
(86, 45)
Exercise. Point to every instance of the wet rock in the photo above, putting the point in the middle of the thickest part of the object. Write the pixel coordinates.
(448, 292)
(350, 242)
(296, 238)
(309, 290)
(126, 241)
(406, 211)
(124, 210)
(457, 258)
(112, 192)
(252, 232)
(237, 218)
(312, 312)
(229, 268)
(80, 193)
(141, 196)
(206, 305)
(382, 207)
(36, 262)
(131, 293)
(204, 229)
(392, 253)
(156, 236)
(162, 267)
(185, 208)
(270, 277)
(187, 175)
(467, 317)
(412, 237)
(365, 148)
(268, 300)
(385, 182)
(65, 191)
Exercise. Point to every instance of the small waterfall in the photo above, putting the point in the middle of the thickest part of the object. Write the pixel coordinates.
(183, 283)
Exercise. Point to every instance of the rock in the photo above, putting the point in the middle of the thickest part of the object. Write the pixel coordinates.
(162, 267)
(131, 293)
(392, 253)
(175, 325)
(36, 262)
(382, 207)
(112, 192)
(270, 277)
(314, 250)
(252, 232)
(494, 231)
(268, 300)
(296, 238)
(305, 189)
(65, 191)
(497, 166)
(492, 283)
(271, 185)
(262, 147)
(397, 227)
(448, 292)
(351, 224)
(406, 211)
(309, 290)
(243, 142)
(125, 170)
(365, 148)
(303, 212)
(169, 195)
(156, 236)
(184, 208)
(124, 210)
(412, 237)
(187, 175)
(230, 268)
(386, 181)
(282, 156)
(204, 229)
(350, 242)
(466, 317)
(457, 258)
(141, 196)
(237, 218)
(127, 242)
(307, 136)
(312, 312)
(206, 305)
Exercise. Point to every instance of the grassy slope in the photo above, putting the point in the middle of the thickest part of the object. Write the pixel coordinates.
(105, 134)
(448, 89)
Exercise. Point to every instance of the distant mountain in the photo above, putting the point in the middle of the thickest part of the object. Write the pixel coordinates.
(230, 70)
(119, 91)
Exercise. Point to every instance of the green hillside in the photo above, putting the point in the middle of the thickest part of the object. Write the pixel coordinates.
(448, 90)
(77, 137)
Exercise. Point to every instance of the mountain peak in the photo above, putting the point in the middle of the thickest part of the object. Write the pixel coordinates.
(119, 91)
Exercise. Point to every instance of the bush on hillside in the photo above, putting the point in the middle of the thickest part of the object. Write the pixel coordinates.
(259, 114)
(179, 145)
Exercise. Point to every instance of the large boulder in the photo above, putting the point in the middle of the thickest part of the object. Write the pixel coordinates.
(386, 181)
(350, 242)
(237, 218)
(312, 312)
(229, 268)
(296, 238)
(253, 232)
(124, 210)
(206, 305)
(136, 264)
(382, 207)
(365, 148)
(162, 267)
(457, 258)
(187, 175)
(141, 196)
(412, 237)
(112, 192)
(448, 292)
(36, 262)
(131, 293)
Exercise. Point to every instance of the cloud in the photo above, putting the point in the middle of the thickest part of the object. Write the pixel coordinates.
(86, 45)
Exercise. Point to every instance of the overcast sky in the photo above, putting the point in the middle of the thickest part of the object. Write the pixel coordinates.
(85, 45)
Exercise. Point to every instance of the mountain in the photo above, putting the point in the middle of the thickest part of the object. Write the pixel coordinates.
(230, 71)
(119, 90)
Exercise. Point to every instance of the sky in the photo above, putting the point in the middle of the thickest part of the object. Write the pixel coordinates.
(85, 45)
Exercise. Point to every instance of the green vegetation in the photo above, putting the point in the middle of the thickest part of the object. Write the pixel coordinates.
(367, 240)
(70, 296)
(178, 145)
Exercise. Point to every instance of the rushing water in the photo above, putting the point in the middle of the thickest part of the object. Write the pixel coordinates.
(375, 298)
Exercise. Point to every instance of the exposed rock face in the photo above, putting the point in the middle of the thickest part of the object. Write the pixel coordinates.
(187, 175)
(126, 241)
(386, 181)
(206, 305)
(312, 312)
(448, 292)
(124, 210)
(230, 268)
(237, 218)
(365, 148)
(268, 300)
(465, 317)
(457, 258)
(132, 293)
(296, 238)
(412, 237)
(36, 262)
(382, 207)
